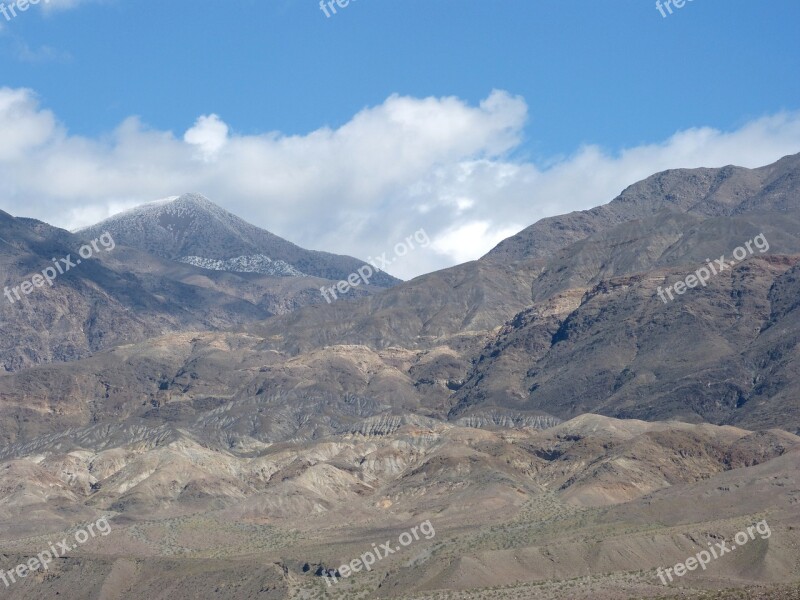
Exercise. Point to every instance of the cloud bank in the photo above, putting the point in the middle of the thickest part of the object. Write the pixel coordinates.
(437, 163)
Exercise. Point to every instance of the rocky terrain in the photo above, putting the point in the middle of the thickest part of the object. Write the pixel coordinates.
(590, 507)
(564, 430)
(127, 294)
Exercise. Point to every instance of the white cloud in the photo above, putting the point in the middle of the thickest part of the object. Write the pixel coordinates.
(461, 241)
(408, 163)
(209, 134)
(23, 127)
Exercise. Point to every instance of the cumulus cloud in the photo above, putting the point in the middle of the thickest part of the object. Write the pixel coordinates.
(209, 134)
(437, 163)
(23, 127)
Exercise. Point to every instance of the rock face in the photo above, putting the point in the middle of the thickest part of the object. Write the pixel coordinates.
(725, 354)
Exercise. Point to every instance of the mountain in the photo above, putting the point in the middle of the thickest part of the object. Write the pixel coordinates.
(598, 338)
(582, 330)
(589, 333)
(728, 191)
(191, 229)
(113, 298)
(123, 294)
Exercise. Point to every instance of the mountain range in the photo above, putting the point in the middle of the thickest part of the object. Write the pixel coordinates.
(543, 406)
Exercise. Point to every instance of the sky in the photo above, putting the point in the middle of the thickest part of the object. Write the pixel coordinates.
(349, 132)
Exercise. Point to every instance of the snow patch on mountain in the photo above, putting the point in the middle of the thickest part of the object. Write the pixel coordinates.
(256, 263)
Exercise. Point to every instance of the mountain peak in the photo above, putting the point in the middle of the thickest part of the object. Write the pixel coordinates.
(703, 192)
(191, 201)
(190, 228)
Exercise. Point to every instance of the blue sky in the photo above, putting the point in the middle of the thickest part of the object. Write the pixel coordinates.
(615, 77)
